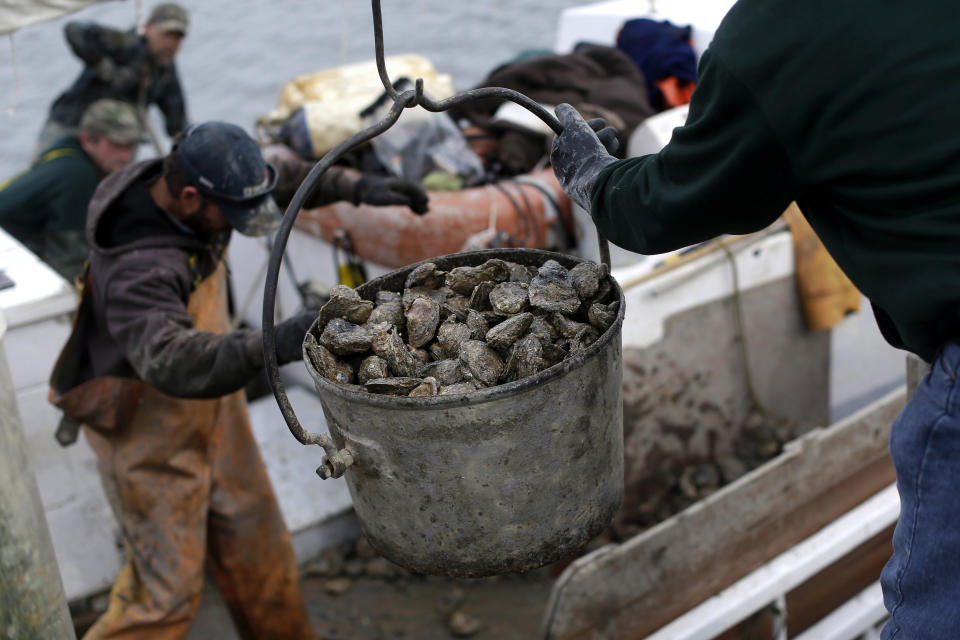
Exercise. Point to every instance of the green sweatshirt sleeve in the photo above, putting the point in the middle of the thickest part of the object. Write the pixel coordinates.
(73, 181)
(46, 208)
(724, 171)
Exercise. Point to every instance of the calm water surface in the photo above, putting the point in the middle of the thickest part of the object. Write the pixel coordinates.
(240, 52)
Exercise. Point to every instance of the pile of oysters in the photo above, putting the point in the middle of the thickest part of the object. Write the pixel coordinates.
(461, 330)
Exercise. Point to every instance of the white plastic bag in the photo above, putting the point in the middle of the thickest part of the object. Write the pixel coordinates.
(421, 142)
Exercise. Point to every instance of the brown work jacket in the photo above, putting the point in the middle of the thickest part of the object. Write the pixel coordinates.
(133, 326)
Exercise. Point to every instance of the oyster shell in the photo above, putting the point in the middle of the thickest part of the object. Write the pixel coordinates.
(421, 354)
(542, 329)
(480, 298)
(526, 359)
(345, 303)
(519, 273)
(388, 344)
(460, 387)
(584, 338)
(446, 372)
(385, 297)
(491, 317)
(586, 279)
(509, 298)
(372, 367)
(464, 279)
(509, 331)
(477, 324)
(409, 295)
(328, 365)
(456, 305)
(601, 316)
(423, 316)
(551, 289)
(426, 275)
(604, 291)
(554, 352)
(345, 338)
(398, 386)
(564, 326)
(429, 387)
(481, 361)
(450, 336)
(389, 308)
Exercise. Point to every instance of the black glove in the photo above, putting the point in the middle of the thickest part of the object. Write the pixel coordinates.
(289, 335)
(378, 191)
(120, 78)
(579, 153)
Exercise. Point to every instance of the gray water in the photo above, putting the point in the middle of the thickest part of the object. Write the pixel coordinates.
(239, 53)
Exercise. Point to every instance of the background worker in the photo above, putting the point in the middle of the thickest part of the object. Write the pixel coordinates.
(126, 66)
(155, 375)
(845, 109)
(45, 207)
(338, 183)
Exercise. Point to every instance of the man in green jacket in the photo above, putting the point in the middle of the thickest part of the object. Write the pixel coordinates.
(45, 207)
(848, 109)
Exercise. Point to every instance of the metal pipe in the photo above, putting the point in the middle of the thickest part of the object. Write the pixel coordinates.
(32, 600)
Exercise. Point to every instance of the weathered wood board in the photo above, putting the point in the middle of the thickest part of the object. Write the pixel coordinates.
(632, 589)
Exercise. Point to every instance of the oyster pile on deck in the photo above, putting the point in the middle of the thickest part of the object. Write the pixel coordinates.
(461, 330)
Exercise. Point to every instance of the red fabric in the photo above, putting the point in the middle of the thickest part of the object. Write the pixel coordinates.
(675, 93)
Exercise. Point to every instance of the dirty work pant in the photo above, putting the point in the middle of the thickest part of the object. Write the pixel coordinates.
(921, 582)
(190, 487)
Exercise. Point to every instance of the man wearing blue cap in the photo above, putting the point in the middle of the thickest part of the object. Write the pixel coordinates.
(156, 376)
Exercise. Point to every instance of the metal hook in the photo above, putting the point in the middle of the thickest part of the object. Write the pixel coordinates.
(378, 46)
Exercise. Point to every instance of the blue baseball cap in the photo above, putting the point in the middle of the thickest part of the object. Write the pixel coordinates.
(225, 164)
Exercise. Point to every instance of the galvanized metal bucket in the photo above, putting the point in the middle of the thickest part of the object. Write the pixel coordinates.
(502, 479)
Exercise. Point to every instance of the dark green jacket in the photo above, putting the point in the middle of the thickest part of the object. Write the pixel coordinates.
(849, 108)
(45, 207)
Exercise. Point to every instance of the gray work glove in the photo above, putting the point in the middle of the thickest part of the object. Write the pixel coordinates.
(580, 152)
(289, 336)
(378, 191)
(121, 78)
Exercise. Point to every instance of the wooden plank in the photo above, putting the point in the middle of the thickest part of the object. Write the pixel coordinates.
(800, 562)
(840, 582)
(812, 605)
(856, 618)
(632, 589)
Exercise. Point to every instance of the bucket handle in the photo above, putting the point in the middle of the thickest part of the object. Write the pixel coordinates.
(336, 461)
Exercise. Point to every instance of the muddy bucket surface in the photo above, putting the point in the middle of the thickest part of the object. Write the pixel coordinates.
(502, 479)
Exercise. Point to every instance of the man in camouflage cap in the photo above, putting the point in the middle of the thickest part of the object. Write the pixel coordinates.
(132, 67)
(45, 207)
